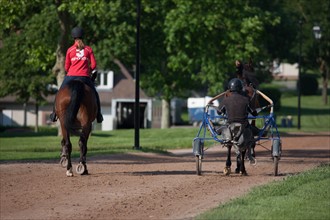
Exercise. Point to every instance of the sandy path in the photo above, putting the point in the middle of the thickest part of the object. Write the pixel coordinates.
(144, 185)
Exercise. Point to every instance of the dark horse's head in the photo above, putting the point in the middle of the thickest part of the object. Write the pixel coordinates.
(245, 72)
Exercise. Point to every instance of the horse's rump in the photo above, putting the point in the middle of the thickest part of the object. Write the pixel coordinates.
(237, 133)
(76, 106)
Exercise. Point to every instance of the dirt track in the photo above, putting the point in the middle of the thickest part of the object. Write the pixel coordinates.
(146, 186)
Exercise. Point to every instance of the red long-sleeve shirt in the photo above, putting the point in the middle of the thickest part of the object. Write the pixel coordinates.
(79, 62)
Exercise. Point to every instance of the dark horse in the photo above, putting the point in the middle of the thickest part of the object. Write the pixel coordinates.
(76, 109)
(242, 140)
(245, 72)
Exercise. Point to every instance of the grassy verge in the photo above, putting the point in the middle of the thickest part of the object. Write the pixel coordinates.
(46, 145)
(315, 116)
(304, 196)
(27, 145)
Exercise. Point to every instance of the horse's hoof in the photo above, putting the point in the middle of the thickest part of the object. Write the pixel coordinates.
(237, 170)
(227, 171)
(64, 162)
(81, 169)
(253, 161)
(244, 173)
(69, 173)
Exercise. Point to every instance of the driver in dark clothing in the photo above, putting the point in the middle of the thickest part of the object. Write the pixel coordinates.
(236, 106)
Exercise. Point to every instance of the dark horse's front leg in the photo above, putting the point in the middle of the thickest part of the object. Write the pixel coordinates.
(240, 163)
(227, 169)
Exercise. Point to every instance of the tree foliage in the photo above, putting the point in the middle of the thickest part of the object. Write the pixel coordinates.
(205, 38)
(185, 44)
(27, 49)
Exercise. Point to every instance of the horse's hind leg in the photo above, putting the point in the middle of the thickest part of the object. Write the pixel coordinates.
(66, 158)
(242, 165)
(66, 154)
(227, 169)
(83, 148)
(238, 162)
(82, 167)
(69, 167)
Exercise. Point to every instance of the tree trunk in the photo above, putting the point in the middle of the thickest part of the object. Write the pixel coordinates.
(165, 114)
(58, 69)
(25, 114)
(36, 128)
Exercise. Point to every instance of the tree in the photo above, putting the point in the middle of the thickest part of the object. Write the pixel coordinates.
(317, 51)
(185, 44)
(206, 38)
(25, 52)
(203, 40)
(283, 40)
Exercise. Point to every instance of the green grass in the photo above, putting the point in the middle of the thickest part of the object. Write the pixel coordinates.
(315, 116)
(46, 145)
(304, 196)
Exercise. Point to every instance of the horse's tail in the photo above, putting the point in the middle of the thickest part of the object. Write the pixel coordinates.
(77, 95)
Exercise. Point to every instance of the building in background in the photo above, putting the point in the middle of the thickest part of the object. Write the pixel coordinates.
(117, 96)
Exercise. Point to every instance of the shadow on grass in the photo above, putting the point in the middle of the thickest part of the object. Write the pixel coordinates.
(304, 111)
(101, 135)
(26, 133)
(296, 153)
(304, 134)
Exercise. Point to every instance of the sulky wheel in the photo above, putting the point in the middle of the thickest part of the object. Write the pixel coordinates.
(276, 153)
(198, 164)
(80, 169)
(64, 162)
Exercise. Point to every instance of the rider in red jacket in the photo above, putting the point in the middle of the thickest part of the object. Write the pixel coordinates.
(79, 63)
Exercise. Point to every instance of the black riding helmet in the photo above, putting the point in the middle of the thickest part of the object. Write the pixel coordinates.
(235, 85)
(77, 32)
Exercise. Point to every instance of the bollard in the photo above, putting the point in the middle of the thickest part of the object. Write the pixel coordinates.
(289, 120)
(283, 122)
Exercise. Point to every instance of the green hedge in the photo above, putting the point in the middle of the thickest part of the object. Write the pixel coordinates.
(274, 94)
(309, 84)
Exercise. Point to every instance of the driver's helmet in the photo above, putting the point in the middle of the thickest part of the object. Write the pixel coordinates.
(235, 85)
(77, 32)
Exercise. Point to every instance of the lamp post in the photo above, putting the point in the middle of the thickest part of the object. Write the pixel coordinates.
(318, 35)
(137, 81)
(317, 32)
(299, 74)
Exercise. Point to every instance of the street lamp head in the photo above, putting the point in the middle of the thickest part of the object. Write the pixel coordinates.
(317, 32)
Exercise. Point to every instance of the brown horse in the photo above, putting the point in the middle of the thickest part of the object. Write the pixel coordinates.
(76, 109)
(245, 72)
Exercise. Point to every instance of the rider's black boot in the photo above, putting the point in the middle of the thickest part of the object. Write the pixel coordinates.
(99, 117)
(53, 117)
